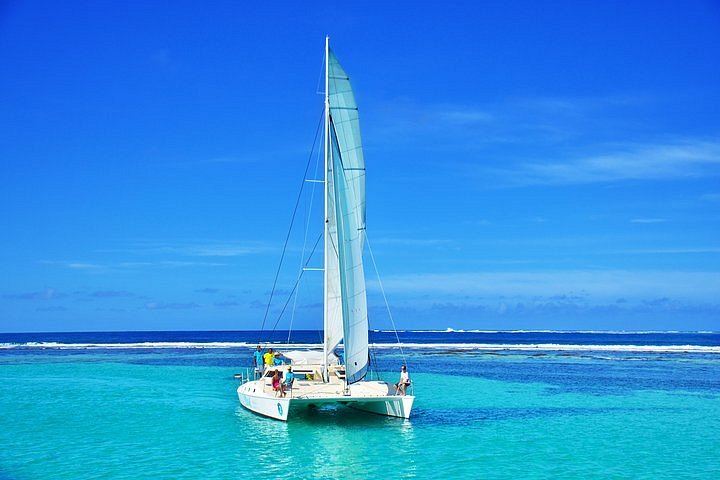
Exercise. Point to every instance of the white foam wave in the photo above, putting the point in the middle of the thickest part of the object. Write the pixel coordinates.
(148, 345)
(562, 332)
(619, 332)
(559, 347)
(420, 346)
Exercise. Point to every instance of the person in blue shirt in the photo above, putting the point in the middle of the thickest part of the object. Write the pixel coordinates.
(289, 378)
(258, 355)
(278, 359)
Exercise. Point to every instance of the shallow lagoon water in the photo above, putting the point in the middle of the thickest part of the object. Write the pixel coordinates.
(173, 413)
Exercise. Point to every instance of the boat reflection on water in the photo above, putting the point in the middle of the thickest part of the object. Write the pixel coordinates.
(333, 441)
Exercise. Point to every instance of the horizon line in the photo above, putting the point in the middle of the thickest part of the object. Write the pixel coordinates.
(406, 330)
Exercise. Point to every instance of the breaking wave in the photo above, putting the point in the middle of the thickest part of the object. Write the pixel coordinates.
(418, 346)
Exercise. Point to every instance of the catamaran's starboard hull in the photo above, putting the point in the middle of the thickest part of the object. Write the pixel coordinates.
(397, 406)
(254, 399)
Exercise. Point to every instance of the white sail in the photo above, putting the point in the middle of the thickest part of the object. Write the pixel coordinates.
(345, 297)
(333, 305)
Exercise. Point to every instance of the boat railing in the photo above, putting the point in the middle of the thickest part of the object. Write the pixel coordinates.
(247, 374)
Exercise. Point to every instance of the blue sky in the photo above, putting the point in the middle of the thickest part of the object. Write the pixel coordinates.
(530, 164)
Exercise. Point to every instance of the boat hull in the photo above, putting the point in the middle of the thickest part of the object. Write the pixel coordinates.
(254, 398)
(258, 402)
(396, 406)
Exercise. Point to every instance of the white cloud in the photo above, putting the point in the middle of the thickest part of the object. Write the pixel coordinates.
(593, 285)
(110, 267)
(83, 266)
(680, 250)
(551, 141)
(683, 159)
(507, 121)
(419, 242)
(47, 294)
(171, 306)
(459, 115)
(193, 248)
(405, 120)
(648, 220)
(220, 250)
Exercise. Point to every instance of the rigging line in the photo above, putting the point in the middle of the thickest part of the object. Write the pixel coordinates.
(387, 305)
(320, 78)
(307, 228)
(375, 365)
(294, 288)
(372, 360)
(292, 221)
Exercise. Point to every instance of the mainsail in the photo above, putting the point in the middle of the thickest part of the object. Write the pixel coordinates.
(345, 297)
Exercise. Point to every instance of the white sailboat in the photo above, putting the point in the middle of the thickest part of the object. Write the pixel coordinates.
(321, 378)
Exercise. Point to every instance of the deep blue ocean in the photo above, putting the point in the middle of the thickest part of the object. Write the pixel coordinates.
(381, 337)
(525, 404)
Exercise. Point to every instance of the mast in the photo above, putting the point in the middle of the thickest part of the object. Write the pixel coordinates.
(326, 232)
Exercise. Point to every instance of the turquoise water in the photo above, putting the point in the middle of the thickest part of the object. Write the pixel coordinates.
(162, 413)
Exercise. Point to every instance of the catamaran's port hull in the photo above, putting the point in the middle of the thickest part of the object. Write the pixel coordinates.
(280, 408)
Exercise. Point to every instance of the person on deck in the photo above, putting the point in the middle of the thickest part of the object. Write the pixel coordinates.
(279, 359)
(258, 356)
(277, 385)
(289, 379)
(268, 357)
(402, 385)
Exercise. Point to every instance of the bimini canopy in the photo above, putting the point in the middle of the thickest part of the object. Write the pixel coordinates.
(309, 357)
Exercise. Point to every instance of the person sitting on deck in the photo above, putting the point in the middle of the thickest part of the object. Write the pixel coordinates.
(277, 385)
(289, 379)
(403, 383)
(258, 356)
(268, 357)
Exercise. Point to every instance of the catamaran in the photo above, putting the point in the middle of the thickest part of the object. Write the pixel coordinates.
(323, 378)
